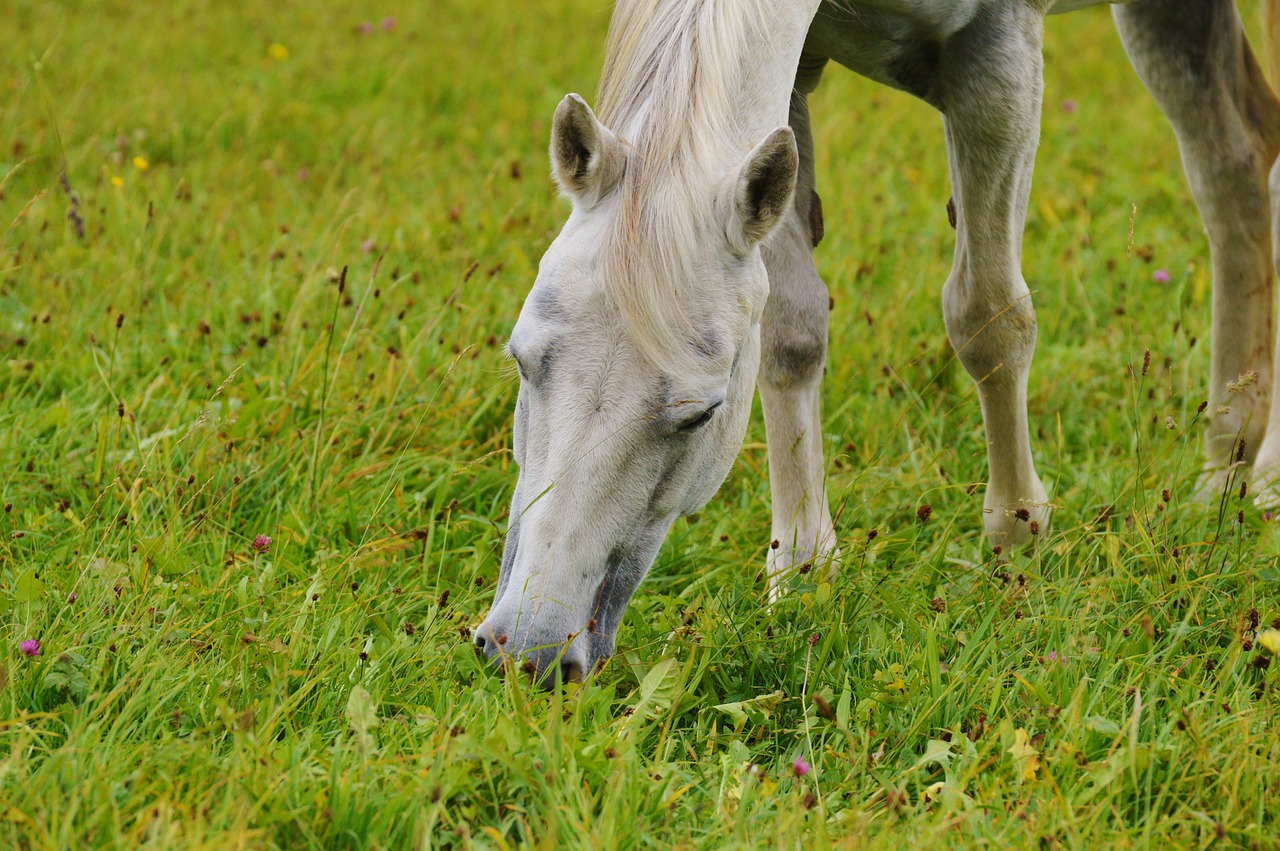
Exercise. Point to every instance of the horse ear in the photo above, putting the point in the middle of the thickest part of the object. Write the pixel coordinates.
(763, 189)
(586, 157)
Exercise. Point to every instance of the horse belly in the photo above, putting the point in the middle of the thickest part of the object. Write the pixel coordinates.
(1060, 6)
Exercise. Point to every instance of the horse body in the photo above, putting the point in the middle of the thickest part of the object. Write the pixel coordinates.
(685, 272)
(898, 42)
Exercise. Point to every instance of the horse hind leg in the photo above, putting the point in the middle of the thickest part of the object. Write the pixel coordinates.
(792, 361)
(990, 94)
(1194, 58)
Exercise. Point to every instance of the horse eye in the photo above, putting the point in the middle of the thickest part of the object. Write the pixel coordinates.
(699, 421)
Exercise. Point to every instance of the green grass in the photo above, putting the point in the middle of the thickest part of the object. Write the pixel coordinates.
(190, 373)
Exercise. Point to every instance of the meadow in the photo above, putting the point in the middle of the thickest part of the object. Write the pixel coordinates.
(257, 265)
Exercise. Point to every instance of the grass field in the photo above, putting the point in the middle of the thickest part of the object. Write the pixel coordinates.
(257, 266)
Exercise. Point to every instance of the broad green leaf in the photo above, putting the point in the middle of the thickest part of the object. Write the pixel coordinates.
(1098, 724)
(760, 707)
(657, 691)
(937, 752)
(29, 588)
(843, 705)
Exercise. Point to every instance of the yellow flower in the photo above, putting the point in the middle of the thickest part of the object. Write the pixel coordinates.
(1270, 639)
(117, 181)
(891, 678)
(141, 164)
(278, 52)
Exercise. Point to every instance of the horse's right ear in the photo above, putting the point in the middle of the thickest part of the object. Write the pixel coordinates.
(586, 157)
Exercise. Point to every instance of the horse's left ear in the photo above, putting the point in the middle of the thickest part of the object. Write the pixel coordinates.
(586, 157)
(762, 189)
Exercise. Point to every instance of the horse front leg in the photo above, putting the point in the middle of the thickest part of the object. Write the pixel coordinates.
(792, 361)
(990, 89)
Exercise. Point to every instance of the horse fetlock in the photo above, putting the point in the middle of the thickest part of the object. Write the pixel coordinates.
(1264, 480)
(1238, 429)
(786, 562)
(1013, 521)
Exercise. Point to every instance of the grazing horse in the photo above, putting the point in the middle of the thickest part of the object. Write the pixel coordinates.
(683, 277)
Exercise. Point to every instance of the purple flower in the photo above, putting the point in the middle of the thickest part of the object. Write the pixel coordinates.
(261, 543)
(366, 27)
(71, 598)
(388, 24)
(1160, 276)
(303, 174)
(1068, 105)
(800, 767)
(30, 647)
(368, 245)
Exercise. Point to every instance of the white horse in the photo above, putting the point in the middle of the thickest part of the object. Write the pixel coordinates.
(683, 277)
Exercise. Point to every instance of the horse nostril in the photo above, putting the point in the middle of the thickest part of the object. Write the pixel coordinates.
(571, 671)
(489, 641)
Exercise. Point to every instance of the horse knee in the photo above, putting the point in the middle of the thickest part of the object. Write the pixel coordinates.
(793, 335)
(796, 360)
(792, 355)
(992, 337)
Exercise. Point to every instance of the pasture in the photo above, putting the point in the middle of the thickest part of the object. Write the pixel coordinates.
(258, 264)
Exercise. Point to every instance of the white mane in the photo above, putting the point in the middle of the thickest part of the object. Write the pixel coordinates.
(672, 89)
